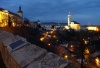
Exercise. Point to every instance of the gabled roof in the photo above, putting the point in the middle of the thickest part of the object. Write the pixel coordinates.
(1, 9)
(75, 22)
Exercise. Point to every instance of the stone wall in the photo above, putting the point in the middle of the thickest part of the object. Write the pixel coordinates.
(18, 53)
(8, 59)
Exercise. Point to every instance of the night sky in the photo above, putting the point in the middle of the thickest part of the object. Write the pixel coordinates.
(83, 11)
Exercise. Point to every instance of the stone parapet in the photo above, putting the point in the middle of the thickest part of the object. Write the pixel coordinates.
(18, 53)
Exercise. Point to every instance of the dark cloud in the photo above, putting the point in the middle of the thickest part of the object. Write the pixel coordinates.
(56, 10)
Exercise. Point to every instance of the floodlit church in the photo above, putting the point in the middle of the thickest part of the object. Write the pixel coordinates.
(73, 24)
(8, 18)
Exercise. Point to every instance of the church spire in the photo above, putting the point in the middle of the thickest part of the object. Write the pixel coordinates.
(69, 19)
(19, 8)
(20, 12)
(69, 13)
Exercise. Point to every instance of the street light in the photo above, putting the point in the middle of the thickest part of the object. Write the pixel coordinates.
(49, 44)
(97, 62)
(66, 56)
(41, 39)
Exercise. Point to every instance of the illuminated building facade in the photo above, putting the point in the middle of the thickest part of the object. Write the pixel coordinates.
(74, 25)
(20, 12)
(8, 18)
(69, 19)
(93, 28)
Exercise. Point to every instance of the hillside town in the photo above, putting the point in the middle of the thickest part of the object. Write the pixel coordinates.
(28, 44)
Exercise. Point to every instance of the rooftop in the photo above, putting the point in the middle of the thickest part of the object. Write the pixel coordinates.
(1, 9)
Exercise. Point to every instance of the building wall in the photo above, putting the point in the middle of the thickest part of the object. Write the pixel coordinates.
(75, 26)
(69, 19)
(5, 16)
(7, 58)
(93, 28)
(20, 14)
(3, 19)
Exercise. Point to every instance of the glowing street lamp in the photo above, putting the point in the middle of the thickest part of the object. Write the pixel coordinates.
(66, 56)
(13, 24)
(49, 44)
(54, 36)
(46, 32)
(41, 39)
(51, 32)
(86, 53)
(97, 62)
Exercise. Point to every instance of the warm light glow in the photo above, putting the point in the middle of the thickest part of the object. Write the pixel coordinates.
(41, 39)
(46, 35)
(5, 24)
(85, 41)
(97, 61)
(66, 27)
(71, 46)
(46, 32)
(0, 17)
(87, 51)
(49, 44)
(86, 54)
(13, 24)
(94, 28)
(54, 36)
(51, 32)
(3, 18)
(53, 29)
(75, 26)
(66, 56)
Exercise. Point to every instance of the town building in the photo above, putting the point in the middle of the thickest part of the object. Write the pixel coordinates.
(8, 18)
(93, 28)
(69, 19)
(73, 24)
(20, 12)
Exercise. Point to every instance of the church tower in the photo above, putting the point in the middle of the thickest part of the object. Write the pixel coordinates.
(20, 12)
(69, 19)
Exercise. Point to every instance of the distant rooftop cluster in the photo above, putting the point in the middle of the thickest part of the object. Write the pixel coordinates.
(8, 18)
